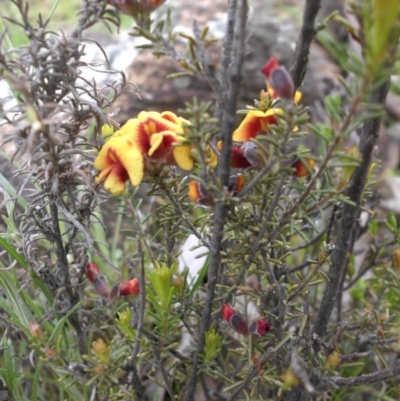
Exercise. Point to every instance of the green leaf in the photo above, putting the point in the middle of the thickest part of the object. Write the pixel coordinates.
(13, 252)
(22, 262)
(202, 273)
(36, 378)
(13, 304)
(61, 322)
(8, 187)
(391, 222)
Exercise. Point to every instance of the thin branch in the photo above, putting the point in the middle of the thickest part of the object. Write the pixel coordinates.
(167, 381)
(348, 220)
(306, 281)
(300, 61)
(263, 230)
(228, 122)
(135, 381)
(381, 375)
(254, 370)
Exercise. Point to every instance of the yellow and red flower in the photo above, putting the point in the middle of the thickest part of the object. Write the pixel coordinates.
(256, 122)
(150, 137)
(118, 160)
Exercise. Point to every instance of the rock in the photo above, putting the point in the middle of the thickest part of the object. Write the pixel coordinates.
(271, 33)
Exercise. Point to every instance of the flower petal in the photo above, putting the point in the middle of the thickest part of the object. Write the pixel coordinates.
(297, 97)
(183, 157)
(238, 159)
(194, 191)
(161, 145)
(127, 128)
(119, 159)
(227, 312)
(154, 123)
(115, 181)
(271, 65)
(155, 142)
(256, 121)
(134, 165)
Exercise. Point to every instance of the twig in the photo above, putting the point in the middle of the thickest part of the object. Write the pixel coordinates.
(381, 375)
(140, 324)
(354, 192)
(228, 121)
(300, 61)
(263, 230)
(135, 381)
(181, 213)
(306, 281)
(355, 355)
(167, 381)
(252, 373)
(139, 228)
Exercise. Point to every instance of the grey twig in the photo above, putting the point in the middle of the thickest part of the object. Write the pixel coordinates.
(263, 230)
(167, 381)
(252, 373)
(228, 121)
(299, 64)
(306, 281)
(381, 375)
(354, 191)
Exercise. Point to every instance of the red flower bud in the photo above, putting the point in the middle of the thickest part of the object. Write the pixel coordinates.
(300, 170)
(236, 321)
(279, 79)
(271, 65)
(259, 328)
(99, 281)
(92, 272)
(227, 312)
(236, 183)
(126, 289)
(35, 329)
(282, 83)
(198, 194)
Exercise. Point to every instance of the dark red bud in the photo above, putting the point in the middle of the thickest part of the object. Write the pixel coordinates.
(92, 272)
(270, 66)
(101, 286)
(236, 321)
(259, 328)
(236, 183)
(300, 170)
(282, 83)
(239, 324)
